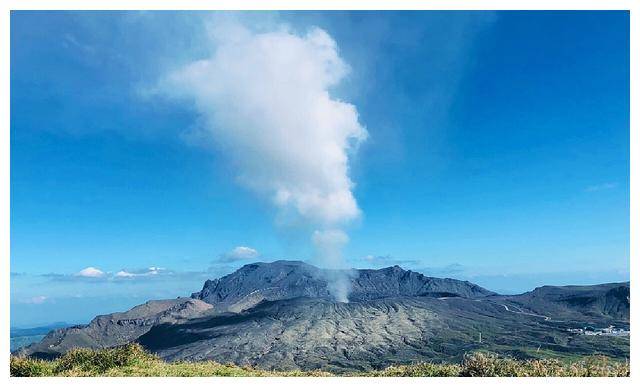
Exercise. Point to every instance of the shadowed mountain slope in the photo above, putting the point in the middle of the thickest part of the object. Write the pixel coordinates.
(605, 300)
(117, 328)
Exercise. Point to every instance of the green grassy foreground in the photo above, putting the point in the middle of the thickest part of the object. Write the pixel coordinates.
(132, 360)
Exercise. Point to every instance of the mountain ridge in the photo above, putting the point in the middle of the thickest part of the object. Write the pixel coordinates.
(281, 315)
(254, 282)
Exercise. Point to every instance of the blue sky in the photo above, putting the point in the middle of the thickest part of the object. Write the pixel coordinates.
(497, 150)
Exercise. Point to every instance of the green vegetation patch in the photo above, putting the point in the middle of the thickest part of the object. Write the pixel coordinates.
(132, 360)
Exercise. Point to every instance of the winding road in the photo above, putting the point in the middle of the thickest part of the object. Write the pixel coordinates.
(520, 311)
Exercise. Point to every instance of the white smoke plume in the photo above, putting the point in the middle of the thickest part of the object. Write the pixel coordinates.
(329, 245)
(264, 98)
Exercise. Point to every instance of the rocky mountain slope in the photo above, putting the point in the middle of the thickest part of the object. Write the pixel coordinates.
(279, 280)
(281, 315)
(117, 328)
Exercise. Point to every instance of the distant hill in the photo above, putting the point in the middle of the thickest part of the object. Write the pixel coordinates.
(20, 337)
(41, 330)
(281, 315)
(598, 301)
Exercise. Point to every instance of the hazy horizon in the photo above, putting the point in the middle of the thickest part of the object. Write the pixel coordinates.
(81, 310)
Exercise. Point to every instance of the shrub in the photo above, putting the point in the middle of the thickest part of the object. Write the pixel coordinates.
(598, 366)
(99, 361)
(132, 360)
(487, 364)
(419, 369)
(25, 367)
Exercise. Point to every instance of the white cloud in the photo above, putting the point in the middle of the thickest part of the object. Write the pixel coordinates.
(36, 300)
(241, 253)
(265, 101)
(124, 274)
(377, 260)
(152, 271)
(90, 272)
(601, 187)
(70, 41)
